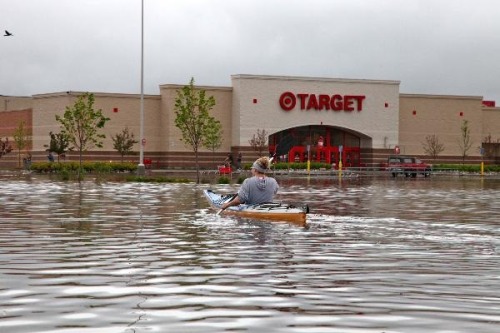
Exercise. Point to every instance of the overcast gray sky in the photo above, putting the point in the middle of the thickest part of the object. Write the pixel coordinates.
(431, 46)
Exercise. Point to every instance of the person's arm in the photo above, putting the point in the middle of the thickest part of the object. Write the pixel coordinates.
(235, 202)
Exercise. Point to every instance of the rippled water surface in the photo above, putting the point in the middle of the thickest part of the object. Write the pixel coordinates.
(378, 255)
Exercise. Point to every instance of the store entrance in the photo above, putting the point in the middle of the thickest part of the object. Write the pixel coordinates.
(318, 143)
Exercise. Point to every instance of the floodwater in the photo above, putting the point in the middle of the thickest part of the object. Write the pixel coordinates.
(378, 255)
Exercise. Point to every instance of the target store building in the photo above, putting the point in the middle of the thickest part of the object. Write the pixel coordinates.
(324, 119)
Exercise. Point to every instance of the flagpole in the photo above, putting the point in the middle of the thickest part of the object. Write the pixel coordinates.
(140, 168)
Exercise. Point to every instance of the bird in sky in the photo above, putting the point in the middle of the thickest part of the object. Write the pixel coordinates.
(7, 34)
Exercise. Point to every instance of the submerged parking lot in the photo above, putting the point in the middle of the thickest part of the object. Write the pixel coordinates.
(378, 255)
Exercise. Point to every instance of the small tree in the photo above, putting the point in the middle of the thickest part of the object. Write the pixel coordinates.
(259, 141)
(58, 144)
(21, 139)
(465, 141)
(193, 119)
(432, 146)
(80, 124)
(124, 142)
(213, 138)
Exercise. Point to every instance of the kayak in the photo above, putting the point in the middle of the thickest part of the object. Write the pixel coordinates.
(266, 211)
(275, 211)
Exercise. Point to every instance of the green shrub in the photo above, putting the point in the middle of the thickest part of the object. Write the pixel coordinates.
(88, 167)
(294, 166)
(472, 168)
(301, 166)
(64, 174)
(223, 180)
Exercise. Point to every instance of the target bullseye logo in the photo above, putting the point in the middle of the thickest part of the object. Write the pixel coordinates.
(288, 101)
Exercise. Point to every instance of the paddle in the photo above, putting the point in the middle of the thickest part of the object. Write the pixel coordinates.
(228, 200)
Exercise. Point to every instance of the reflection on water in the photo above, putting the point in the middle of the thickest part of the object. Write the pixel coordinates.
(378, 255)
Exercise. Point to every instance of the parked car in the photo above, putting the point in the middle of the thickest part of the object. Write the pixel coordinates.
(408, 166)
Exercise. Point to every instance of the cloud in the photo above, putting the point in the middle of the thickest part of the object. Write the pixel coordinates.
(437, 47)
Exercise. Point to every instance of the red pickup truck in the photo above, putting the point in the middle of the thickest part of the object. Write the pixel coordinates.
(408, 166)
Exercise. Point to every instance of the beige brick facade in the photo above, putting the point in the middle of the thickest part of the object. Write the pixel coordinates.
(373, 110)
(423, 115)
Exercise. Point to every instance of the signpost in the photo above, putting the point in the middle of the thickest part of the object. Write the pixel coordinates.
(308, 158)
(140, 167)
(341, 149)
(481, 150)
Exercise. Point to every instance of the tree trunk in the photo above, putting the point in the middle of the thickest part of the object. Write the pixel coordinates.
(197, 166)
(80, 167)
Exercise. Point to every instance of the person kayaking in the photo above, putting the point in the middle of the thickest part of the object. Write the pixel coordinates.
(257, 189)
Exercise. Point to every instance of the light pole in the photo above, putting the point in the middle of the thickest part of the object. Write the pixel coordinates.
(141, 170)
